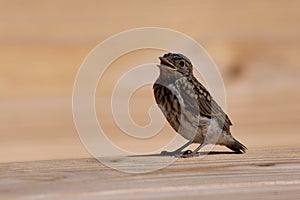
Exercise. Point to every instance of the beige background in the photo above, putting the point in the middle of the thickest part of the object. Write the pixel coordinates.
(255, 44)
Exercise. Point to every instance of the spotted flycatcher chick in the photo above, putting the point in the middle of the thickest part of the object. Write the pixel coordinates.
(189, 108)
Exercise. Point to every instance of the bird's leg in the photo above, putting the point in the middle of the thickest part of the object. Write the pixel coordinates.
(177, 152)
(191, 154)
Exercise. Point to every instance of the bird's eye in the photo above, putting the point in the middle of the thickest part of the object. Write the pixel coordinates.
(181, 63)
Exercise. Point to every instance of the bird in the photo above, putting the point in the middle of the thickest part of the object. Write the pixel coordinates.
(189, 107)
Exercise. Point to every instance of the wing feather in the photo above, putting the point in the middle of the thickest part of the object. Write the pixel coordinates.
(193, 91)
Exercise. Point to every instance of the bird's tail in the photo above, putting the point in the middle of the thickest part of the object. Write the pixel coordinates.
(236, 146)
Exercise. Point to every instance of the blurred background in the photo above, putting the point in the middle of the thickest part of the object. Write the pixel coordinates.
(255, 44)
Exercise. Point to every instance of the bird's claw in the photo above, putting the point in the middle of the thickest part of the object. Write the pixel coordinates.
(186, 154)
(177, 154)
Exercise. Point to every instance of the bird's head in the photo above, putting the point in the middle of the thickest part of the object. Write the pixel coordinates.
(173, 62)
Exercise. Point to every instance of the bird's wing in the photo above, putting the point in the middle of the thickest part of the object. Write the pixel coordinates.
(192, 91)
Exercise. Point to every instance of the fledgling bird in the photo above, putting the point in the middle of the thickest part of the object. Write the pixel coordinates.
(189, 108)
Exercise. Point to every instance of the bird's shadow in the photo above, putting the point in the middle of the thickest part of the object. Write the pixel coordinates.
(169, 154)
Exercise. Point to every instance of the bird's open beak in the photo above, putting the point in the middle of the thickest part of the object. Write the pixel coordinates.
(165, 63)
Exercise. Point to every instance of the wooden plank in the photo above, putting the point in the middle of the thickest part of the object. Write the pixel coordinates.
(258, 174)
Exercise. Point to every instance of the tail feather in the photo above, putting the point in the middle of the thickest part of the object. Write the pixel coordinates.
(236, 146)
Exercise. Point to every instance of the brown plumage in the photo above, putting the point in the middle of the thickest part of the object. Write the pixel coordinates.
(189, 108)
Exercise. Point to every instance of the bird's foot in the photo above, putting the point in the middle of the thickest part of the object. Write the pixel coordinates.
(177, 154)
(187, 154)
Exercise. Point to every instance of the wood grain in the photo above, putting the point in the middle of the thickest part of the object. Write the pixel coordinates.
(258, 174)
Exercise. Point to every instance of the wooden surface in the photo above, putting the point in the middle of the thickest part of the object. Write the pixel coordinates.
(256, 46)
(258, 174)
